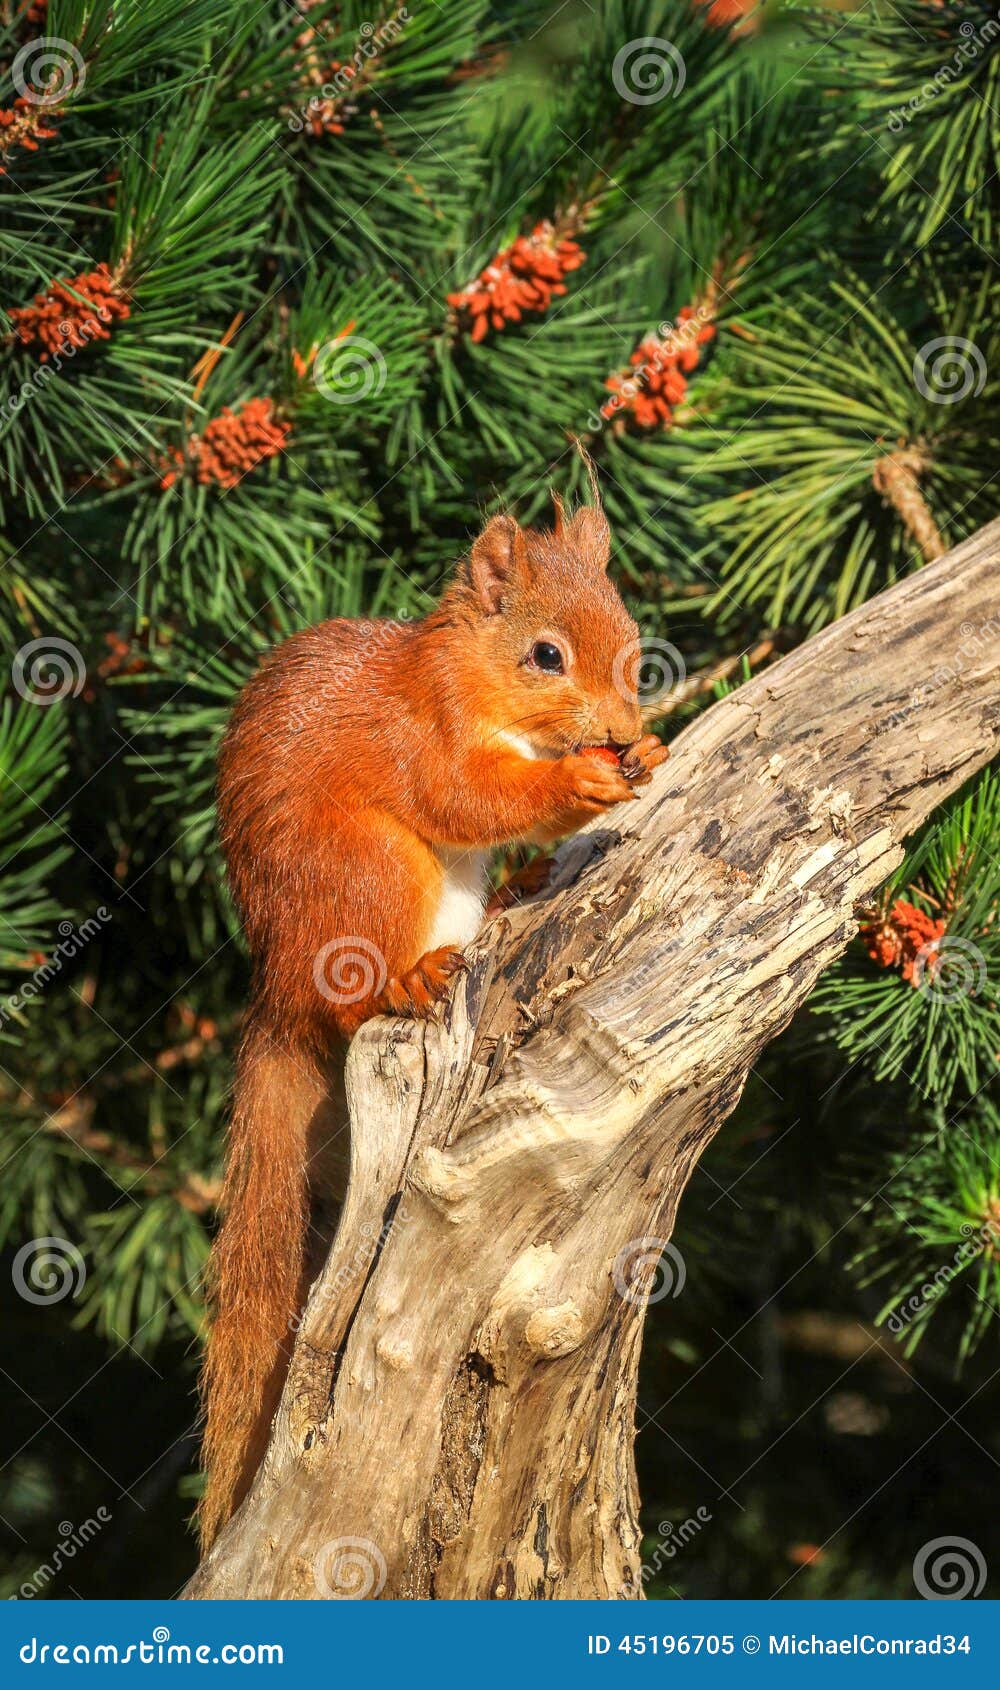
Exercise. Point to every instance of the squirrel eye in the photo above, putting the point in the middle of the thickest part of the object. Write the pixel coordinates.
(547, 657)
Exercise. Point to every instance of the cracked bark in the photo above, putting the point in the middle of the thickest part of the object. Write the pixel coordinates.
(461, 1395)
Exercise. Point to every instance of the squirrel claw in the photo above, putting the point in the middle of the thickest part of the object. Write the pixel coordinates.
(419, 991)
(639, 760)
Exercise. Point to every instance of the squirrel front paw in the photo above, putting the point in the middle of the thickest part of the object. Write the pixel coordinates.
(594, 784)
(639, 760)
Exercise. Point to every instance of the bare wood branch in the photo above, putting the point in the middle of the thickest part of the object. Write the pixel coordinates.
(461, 1395)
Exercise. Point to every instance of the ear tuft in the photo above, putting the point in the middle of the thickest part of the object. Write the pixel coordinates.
(589, 525)
(560, 510)
(497, 562)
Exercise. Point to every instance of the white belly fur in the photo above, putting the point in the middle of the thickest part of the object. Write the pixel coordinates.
(463, 895)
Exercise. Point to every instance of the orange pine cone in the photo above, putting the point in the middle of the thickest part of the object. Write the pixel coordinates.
(896, 940)
(23, 125)
(661, 364)
(70, 314)
(232, 444)
(722, 12)
(525, 276)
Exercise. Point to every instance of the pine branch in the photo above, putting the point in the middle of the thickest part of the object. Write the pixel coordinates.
(75, 1123)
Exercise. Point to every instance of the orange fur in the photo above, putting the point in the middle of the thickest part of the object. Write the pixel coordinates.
(361, 764)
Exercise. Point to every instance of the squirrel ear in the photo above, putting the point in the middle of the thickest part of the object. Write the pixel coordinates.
(499, 558)
(592, 535)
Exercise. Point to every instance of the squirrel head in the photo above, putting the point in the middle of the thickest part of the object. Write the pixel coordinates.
(553, 660)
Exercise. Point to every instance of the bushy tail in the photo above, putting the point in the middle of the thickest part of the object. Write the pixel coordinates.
(256, 1269)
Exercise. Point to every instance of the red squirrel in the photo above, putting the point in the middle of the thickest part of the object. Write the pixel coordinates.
(367, 772)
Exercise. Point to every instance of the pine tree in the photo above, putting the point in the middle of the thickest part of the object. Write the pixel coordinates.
(294, 294)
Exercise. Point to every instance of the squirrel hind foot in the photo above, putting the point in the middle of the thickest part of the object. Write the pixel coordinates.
(424, 986)
(523, 883)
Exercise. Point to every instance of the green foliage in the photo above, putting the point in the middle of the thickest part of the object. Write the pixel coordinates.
(936, 1234)
(148, 1261)
(285, 197)
(32, 844)
(941, 1028)
(825, 398)
(188, 695)
(928, 81)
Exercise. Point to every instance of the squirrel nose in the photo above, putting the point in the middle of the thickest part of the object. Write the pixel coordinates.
(622, 721)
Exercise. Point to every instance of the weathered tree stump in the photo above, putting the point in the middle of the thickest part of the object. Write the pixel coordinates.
(458, 1419)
